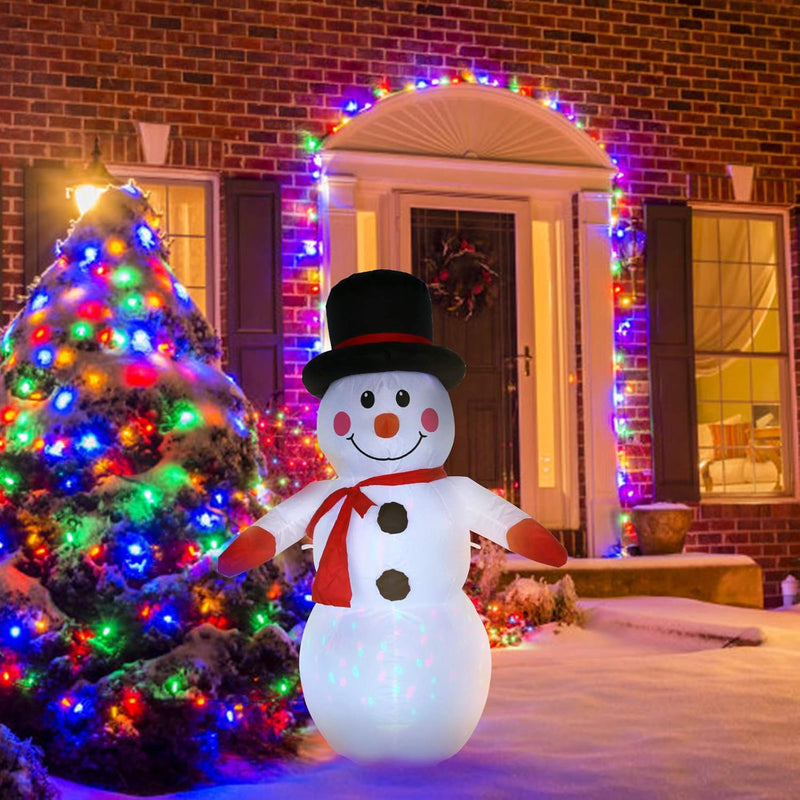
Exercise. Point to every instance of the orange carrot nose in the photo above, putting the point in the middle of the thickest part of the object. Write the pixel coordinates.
(387, 425)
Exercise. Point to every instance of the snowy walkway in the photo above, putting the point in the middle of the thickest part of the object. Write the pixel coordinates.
(643, 704)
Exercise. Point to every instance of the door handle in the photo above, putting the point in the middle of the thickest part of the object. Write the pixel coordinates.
(528, 357)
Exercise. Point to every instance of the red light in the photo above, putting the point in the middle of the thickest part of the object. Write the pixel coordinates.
(92, 310)
(41, 334)
(140, 375)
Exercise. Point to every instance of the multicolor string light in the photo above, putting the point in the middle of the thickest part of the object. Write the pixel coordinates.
(627, 246)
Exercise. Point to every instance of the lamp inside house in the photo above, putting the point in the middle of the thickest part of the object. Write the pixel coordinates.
(90, 182)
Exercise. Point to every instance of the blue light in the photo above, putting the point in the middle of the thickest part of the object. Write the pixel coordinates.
(89, 443)
(137, 558)
(55, 449)
(181, 292)
(131, 190)
(64, 399)
(141, 342)
(230, 716)
(351, 107)
(16, 631)
(44, 357)
(39, 300)
(422, 84)
(146, 236)
(69, 484)
(78, 708)
(90, 254)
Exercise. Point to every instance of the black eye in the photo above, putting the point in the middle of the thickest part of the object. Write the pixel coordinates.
(402, 398)
(367, 399)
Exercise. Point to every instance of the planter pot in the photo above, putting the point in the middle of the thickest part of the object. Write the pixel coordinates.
(661, 527)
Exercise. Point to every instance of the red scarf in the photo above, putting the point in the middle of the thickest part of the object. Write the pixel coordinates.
(332, 581)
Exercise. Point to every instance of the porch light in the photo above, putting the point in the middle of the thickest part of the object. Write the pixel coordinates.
(91, 182)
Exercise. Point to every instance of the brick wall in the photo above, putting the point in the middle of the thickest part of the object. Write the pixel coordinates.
(674, 89)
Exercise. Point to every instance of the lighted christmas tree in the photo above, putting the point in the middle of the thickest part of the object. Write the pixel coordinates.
(127, 458)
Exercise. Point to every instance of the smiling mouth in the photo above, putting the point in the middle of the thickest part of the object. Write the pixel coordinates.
(352, 438)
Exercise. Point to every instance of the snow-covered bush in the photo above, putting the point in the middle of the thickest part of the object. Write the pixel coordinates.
(22, 775)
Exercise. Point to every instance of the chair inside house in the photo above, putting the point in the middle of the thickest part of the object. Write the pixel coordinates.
(741, 457)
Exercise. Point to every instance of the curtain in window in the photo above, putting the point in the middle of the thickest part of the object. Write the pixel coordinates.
(728, 311)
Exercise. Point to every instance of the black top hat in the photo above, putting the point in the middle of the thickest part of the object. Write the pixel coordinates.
(381, 321)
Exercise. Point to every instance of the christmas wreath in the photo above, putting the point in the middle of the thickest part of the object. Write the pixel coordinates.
(461, 278)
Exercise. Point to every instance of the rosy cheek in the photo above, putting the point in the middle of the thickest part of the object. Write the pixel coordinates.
(341, 424)
(430, 420)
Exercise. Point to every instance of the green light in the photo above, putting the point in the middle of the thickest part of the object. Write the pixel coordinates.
(618, 194)
(70, 538)
(23, 437)
(185, 416)
(261, 620)
(513, 84)
(81, 330)
(25, 387)
(105, 641)
(173, 476)
(133, 302)
(8, 347)
(8, 479)
(125, 277)
(311, 143)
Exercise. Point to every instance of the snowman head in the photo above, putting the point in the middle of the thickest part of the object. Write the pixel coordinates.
(385, 422)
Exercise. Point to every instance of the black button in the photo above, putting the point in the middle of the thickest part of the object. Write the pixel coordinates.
(393, 584)
(392, 518)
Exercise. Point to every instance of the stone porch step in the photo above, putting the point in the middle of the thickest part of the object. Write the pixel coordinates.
(733, 580)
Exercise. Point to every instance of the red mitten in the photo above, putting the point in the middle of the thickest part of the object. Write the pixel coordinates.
(249, 549)
(530, 539)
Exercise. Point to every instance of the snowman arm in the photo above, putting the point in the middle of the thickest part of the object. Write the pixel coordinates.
(273, 533)
(502, 522)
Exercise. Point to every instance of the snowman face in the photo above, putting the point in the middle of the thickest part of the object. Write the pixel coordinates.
(385, 422)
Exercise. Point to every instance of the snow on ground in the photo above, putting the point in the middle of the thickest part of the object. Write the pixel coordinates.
(655, 699)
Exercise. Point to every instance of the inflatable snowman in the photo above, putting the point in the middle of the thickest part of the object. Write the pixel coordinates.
(394, 660)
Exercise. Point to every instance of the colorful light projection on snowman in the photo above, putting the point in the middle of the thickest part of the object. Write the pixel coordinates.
(394, 660)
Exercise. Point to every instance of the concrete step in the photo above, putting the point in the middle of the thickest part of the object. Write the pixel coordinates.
(733, 580)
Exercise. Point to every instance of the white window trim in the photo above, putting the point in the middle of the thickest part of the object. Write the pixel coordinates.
(136, 171)
(755, 209)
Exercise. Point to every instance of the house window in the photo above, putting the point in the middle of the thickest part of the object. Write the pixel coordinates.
(185, 209)
(741, 353)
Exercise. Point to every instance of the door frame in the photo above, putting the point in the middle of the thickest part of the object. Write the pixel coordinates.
(359, 197)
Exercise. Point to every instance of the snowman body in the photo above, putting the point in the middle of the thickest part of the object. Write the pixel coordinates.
(402, 672)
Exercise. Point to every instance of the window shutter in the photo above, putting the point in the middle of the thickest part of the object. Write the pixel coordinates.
(47, 217)
(673, 410)
(254, 285)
